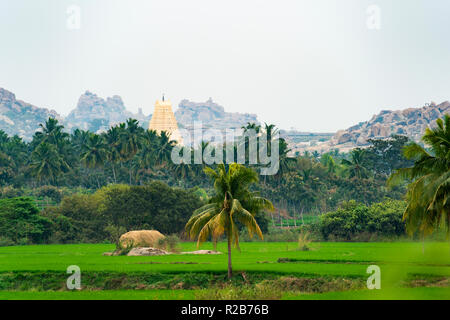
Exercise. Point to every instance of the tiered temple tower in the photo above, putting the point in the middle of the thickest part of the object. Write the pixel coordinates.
(163, 119)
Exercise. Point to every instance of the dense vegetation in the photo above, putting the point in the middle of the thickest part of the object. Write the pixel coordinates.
(359, 222)
(127, 153)
(96, 185)
(429, 189)
(97, 217)
(20, 222)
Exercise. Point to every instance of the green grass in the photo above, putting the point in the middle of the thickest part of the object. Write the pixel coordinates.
(382, 294)
(398, 261)
(99, 295)
(389, 294)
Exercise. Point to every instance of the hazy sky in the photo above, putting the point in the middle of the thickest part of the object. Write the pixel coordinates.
(312, 65)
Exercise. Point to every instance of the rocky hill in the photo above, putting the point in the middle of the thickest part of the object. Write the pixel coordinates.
(97, 114)
(211, 115)
(21, 118)
(410, 122)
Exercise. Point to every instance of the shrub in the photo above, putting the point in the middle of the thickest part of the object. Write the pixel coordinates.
(5, 242)
(303, 241)
(169, 243)
(357, 222)
(21, 223)
(114, 233)
(50, 192)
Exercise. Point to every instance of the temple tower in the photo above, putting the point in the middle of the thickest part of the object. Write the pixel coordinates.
(163, 119)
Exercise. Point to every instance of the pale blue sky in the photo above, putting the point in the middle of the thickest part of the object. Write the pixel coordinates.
(313, 65)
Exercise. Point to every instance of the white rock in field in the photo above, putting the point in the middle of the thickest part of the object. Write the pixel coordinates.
(202, 252)
(146, 251)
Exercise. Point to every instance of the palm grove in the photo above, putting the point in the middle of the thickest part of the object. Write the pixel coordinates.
(92, 177)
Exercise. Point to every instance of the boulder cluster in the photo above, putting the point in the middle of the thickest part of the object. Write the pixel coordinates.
(411, 122)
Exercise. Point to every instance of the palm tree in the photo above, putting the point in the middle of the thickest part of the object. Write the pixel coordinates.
(131, 138)
(284, 160)
(182, 171)
(112, 140)
(130, 142)
(164, 148)
(47, 163)
(79, 139)
(95, 153)
(355, 165)
(270, 130)
(253, 126)
(328, 162)
(52, 132)
(147, 154)
(232, 202)
(429, 191)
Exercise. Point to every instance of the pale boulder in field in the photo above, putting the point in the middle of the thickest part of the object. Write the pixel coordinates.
(140, 238)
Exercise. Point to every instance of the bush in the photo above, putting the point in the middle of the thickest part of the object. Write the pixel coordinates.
(5, 242)
(169, 243)
(21, 223)
(155, 205)
(358, 222)
(114, 234)
(50, 192)
(10, 192)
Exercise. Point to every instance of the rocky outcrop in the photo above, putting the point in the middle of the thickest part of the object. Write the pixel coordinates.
(211, 115)
(410, 122)
(143, 251)
(96, 114)
(202, 252)
(21, 118)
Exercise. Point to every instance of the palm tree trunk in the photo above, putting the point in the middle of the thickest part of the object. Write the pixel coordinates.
(423, 244)
(229, 257)
(114, 174)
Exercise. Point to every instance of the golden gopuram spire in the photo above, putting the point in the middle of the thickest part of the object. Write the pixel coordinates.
(163, 119)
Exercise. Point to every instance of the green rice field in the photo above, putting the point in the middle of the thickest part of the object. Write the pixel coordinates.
(409, 270)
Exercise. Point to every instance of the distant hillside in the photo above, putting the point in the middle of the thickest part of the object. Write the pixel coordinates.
(409, 122)
(211, 115)
(96, 114)
(21, 118)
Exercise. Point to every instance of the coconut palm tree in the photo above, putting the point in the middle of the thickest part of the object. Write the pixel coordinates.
(147, 154)
(355, 166)
(131, 138)
(79, 139)
(112, 140)
(164, 148)
(47, 163)
(252, 126)
(95, 153)
(284, 160)
(52, 132)
(429, 191)
(233, 202)
(328, 162)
